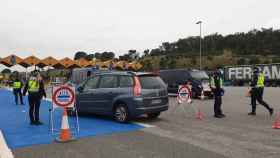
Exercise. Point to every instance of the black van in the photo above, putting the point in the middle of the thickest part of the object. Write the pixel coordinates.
(199, 79)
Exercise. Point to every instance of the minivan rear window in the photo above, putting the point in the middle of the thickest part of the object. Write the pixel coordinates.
(151, 82)
(126, 81)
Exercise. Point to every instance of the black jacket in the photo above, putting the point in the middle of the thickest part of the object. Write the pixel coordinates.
(254, 80)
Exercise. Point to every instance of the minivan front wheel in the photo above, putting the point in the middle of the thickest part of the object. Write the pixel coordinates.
(121, 113)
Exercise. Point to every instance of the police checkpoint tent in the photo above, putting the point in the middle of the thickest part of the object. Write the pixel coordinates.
(82, 62)
(56, 71)
(67, 63)
(49, 61)
(11, 60)
(30, 61)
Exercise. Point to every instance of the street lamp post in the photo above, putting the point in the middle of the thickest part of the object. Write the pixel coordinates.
(199, 22)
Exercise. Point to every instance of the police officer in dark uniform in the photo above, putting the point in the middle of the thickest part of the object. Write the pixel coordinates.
(216, 84)
(257, 87)
(36, 91)
(17, 86)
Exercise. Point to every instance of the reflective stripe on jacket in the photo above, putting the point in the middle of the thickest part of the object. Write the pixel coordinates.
(17, 85)
(260, 82)
(212, 82)
(33, 86)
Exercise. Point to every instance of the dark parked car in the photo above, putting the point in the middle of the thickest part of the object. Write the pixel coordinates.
(199, 79)
(123, 95)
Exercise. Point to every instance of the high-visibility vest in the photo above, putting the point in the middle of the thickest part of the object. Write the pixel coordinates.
(212, 83)
(33, 86)
(17, 85)
(260, 82)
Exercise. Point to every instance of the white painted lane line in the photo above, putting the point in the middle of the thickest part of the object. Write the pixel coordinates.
(144, 125)
(48, 99)
(5, 152)
(8, 88)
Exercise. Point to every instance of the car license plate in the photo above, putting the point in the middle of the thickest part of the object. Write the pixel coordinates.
(156, 101)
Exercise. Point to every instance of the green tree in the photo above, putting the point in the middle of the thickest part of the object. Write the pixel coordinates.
(90, 57)
(146, 52)
(260, 42)
(210, 58)
(275, 60)
(193, 60)
(97, 55)
(241, 61)
(107, 56)
(266, 62)
(172, 64)
(79, 55)
(6, 71)
(254, 60)
(147, 65)
(163, 63)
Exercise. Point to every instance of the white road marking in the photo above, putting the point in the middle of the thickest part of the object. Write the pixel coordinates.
(5, 152)
(48, 99)
(144, 125)
(8, 88)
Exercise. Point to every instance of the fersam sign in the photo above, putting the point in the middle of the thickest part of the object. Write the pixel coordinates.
(63, 96)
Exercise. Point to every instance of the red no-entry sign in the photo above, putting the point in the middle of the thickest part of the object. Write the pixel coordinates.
(63, 96)
(184, 94)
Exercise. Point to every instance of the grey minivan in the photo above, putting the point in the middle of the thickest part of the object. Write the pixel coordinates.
(123, 95)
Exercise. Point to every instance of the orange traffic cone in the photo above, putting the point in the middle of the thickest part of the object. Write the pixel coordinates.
(65, 134)
(276, 124)
(199, 115)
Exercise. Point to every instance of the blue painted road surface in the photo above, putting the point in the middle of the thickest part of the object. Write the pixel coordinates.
(14, 123)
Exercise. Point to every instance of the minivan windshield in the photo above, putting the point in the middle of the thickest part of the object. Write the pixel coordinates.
(151, 82)
(199, 75)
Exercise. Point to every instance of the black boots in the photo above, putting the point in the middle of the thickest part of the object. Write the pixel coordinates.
(271, 111)
(252, 113)
(220, 116)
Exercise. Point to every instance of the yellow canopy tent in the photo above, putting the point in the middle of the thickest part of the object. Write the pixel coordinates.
(11, 60)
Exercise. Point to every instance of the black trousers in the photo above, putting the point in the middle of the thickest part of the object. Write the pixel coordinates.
(257, 95)
(34, 107)
(261, 89)
(17, 93)
(217, 103)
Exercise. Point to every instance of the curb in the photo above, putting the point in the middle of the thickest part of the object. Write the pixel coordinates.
(5, 152)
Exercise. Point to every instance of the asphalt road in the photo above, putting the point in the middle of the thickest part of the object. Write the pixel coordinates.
(178, 134)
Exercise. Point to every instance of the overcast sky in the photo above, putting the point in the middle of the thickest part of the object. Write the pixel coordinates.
(59, 28)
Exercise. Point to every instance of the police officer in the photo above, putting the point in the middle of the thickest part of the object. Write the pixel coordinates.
(36, 91)
(257, 87)
(216, 84)
(17, 86)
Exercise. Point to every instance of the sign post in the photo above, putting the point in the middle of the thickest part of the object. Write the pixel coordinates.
(63, 96)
